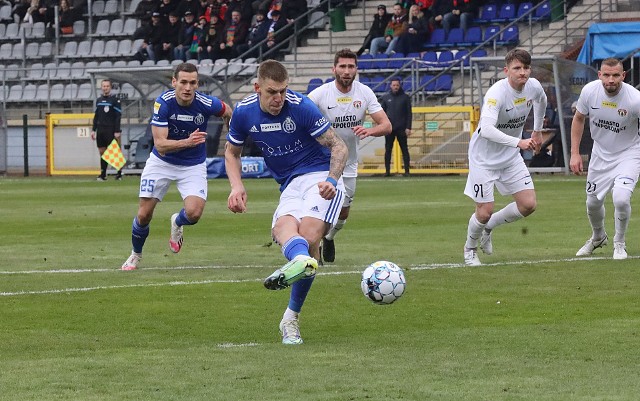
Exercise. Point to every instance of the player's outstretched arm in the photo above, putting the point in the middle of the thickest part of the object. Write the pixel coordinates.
(339, 153)
(237, 201)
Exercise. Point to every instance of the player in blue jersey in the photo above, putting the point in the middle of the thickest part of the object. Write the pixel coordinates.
(179, 127)
(306, 158)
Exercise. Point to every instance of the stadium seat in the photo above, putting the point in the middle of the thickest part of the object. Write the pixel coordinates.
(45, 51)
(130, 26)
(524, 8)
(427, 81)
(5, 14)
(69, 50)
(56, 94)
(379, 61)
(177, 62)
(396, 61)
(105, 64)
(132, 7)
(102, 28)
(3, 93)
(36, 32)
(444, 84)
(364, 80)
(79, 29)
(507, 13)
(365, 62)
(510, 36)
(36, 72)
(120, 64)
(12, 72)
(462, 54)
(97, 48)
(49, 71)
(162, 63)
(15, 93)
(330, 79)
(490, 31)
(133, 63)
(111, 48)
(5, 51)
(445, 59)
(378, 85)
(63, 71)
(111, 7)
(84, 49)
(70, 92)
(31, 51)
(472, 37)
(436, 40)
(116, 27)
(124, 47)
(90, 65)
(488, 13)
(12, 32)
(29, 93)
(17, 51)
(429, 60)
(456, 35)
(219, 67)
(543, 12)
(85, 92)
(318, 20)
(77, 70)
(97, 8)
(127, 91)
(252, 65)
(42, 93)
(148, 63)
(3, 29)
(407, 84)
(313, 83)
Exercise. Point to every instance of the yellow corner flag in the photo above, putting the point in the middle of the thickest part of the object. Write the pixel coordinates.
(113, 155)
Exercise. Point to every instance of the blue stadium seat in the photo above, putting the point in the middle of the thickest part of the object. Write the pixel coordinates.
(444, 84)
(429, 60)
(407, 84)
(524, 8)
(488, 13)
(377, 84)
(330, 79)
(379, 61)
(445, 59)
(436, 39)
(543, 12)
(427, 83)
(394, 63)
(490, 31)
(510, 36)
(456, 35)
(364, 80)
(313, 83)
(365, 62)
(507, 13)
(472, 37)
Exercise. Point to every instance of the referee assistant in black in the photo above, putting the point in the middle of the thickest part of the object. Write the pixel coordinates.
(106, 125)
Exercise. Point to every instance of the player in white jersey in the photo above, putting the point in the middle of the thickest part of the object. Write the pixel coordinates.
(494, 153)
(614, 110)
(179, 128)
(345, 102)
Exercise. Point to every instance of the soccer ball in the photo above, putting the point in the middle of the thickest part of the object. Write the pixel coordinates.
(383, 282)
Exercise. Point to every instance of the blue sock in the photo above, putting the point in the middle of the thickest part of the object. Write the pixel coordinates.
(299, 291)
(182, 220)
(139, 235)
(294, 247)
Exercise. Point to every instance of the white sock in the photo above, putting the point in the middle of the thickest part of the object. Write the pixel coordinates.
(290, 315)
(596, 215)
(334, 230)
(474, 231)
(622, 205)
(507, 214)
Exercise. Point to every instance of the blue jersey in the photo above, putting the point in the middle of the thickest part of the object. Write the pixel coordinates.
(182, 121)
(288, 140)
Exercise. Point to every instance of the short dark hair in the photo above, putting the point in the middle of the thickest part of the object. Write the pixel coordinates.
(611, 62)
(521, 55)
(184, 67)
(345, 53)
(274, 70)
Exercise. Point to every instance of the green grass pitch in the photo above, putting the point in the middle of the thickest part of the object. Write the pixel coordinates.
(532, 323)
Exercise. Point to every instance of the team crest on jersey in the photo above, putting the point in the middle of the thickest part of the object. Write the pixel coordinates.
(106, 109)
(288, 125)
(199, 119)
(357, 104)
(622, 112)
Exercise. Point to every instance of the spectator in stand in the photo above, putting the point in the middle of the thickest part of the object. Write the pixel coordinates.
(66, 17)
(43, 12)
(165, 8)
(144, 10)
(425, 7)
(292, 9)
(416, 34)
(216, 7)
(210, 42)
(253, 37)
(438, 11)
(184, 37)
(79, 8)
(273, 32)
(244, 6)
(19, 10)
(380, 21)
(462, 14)
(198, 35)
(153, 38)
(234, 33)
(170, 37)
(192, 6)
(396, 27)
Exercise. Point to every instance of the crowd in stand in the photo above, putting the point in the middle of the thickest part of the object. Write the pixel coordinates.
(409, 26)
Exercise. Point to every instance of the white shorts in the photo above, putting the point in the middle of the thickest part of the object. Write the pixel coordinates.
(158, 175)
(621, 175)
(301, 198)
(349, 190)
(509, 180)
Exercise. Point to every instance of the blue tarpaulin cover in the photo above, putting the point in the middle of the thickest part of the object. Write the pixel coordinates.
(613, 39)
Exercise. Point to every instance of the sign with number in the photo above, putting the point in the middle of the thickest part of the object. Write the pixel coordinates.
(83, 132)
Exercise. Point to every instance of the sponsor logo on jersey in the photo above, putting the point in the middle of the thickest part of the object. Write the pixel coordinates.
(612, 126)
(253, 129)
(289, 125)
(347, 121)
(513, 123)
(519, 100)
(184, 117)
(270, 127)
(492, 102)
(322, 121)
(622, 112)
(344, 100)
(611, 105)
(173, 117)
(315, 209)
(357, 104)
(156, 108)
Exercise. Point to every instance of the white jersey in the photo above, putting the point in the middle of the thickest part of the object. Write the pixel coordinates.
(345, 111)
(505, 110)
(613, 122)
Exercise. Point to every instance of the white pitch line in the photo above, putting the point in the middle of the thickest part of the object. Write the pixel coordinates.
(200, 282)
